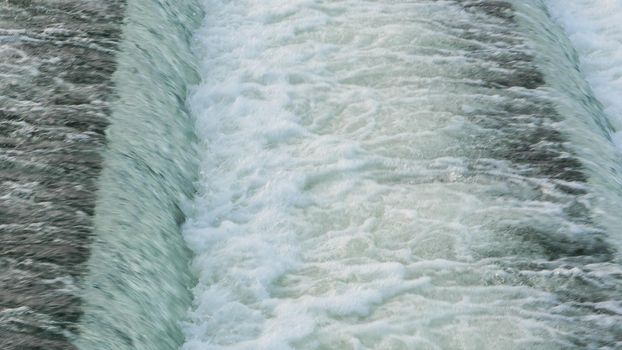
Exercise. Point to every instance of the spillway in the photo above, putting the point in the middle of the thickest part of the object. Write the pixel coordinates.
(400, 175)
(310, 174)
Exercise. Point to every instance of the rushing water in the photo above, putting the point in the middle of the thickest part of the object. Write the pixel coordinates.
(136, 292)
(56, 60)
(594, 28)
(314, 174)
(399, 175)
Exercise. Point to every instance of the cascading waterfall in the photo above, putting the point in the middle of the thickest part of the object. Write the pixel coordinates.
(399, 175)
(594, 30)
(56, 63)
(136, 292)
(311, 174)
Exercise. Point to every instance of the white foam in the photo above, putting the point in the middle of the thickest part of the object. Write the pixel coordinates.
(594, 28)
(335, 207)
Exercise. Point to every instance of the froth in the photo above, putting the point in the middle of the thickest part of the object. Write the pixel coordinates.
(349, 198)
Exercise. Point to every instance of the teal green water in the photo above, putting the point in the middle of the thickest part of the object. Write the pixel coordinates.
(137, 289)
(354, 175)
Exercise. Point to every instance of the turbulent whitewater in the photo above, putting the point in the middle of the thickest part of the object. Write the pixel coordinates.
(400, 175)
(310, 174)
(594, 29)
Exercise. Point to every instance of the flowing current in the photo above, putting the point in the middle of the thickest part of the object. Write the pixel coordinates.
(311, 174)
(400, 175)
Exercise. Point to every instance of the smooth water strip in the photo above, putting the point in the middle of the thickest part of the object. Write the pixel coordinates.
(592, 29)
(136, 291)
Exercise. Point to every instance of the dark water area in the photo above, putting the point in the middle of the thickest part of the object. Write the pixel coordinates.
(56, 61)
